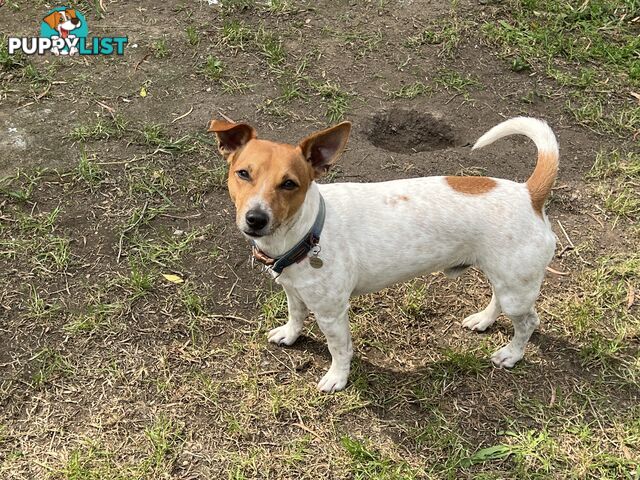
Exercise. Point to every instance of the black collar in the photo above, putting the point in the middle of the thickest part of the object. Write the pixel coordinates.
(299, 251)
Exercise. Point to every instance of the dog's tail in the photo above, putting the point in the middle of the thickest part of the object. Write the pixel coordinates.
(542, 178)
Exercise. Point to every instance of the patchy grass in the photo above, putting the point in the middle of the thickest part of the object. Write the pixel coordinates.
(212, 68)
(160, 48)
(102, 129)
(455, 81)
(616, 175)
(111, 370)
(446, 34)
(410, 91)
(562, 38)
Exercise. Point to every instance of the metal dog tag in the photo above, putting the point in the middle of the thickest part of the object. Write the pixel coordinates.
(315, 262)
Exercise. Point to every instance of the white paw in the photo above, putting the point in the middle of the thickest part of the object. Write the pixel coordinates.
(478, 322)
(333, 381)
(506, 357)
(284, 335)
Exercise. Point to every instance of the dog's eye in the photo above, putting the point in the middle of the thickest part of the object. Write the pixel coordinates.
(289, 185)
(243, 174)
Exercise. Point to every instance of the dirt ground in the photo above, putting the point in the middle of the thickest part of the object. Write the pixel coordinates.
(109, 181)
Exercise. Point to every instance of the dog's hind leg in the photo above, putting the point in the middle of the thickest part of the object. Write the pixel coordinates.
(288, 333)
(517, 297)
(480, 321)
(523, 325)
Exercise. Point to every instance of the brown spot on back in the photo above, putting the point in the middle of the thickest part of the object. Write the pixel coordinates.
(394, 199)
(471, 185)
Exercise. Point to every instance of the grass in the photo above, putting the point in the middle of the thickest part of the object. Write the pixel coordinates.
(446, 34)
(193, 36)
(212, 68)
(111, 371)
(336, 100)
(410, 91)
(48, 365)
(271, 47)
(589, 46)
(102, 129)
(89, 171)
(368, 464)
(160, 48)
(455, 81)
(235, 34)
(615, 175)
(600, 314)
(154, 135)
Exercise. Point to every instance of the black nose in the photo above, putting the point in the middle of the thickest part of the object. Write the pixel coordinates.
(256, 219)
(75, 21)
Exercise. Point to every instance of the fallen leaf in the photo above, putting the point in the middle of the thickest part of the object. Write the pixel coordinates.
(636, 95)
(143, 92)
(631, 296)
(173, 278)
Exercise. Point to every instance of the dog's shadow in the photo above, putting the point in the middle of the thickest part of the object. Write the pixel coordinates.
(489, 394)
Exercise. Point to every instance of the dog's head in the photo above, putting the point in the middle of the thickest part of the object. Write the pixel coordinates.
(268, 181)
(63, 21)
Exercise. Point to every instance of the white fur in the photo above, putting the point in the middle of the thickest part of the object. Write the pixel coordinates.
(378, 234)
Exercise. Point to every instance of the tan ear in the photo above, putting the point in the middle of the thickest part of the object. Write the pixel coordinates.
(322, 149)
(71, 13)
(53, 19)
(231, 136)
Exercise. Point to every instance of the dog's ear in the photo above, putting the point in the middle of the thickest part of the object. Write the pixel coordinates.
(53, 19)
(71, 13)
(323, 148)
(231, 136)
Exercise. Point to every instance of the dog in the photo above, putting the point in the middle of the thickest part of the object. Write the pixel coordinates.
(325, 243)
(63, 22)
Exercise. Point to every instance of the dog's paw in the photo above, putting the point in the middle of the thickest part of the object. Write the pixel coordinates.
(478, 322)
(284, 335)
(506, 357)
(333, 381)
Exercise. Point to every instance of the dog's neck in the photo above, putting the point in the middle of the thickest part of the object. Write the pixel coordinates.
(292, 231)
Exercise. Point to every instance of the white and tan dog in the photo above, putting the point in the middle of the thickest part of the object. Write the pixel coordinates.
(378, 234)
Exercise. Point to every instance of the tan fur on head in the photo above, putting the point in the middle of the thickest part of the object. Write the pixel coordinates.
(270, 165)
(231, 136)
(276, 174)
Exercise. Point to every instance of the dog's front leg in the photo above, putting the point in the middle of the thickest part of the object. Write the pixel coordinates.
(336, 330)
(290, 331)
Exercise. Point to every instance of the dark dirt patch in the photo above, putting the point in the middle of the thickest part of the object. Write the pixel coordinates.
(411, 131)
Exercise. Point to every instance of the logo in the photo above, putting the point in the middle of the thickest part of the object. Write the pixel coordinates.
(64, 31)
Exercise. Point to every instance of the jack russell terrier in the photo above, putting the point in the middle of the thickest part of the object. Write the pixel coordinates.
(324, 243)
(63, 22)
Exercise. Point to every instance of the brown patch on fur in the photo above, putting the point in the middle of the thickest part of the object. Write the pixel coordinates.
(394, 199)
(231, 136)
(322, 149)
(471, 185)
(542, 178)
(269, 164)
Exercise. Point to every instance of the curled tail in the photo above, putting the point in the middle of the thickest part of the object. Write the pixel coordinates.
(543, 176)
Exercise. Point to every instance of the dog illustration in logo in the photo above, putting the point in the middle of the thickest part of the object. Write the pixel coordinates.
(63, 22)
